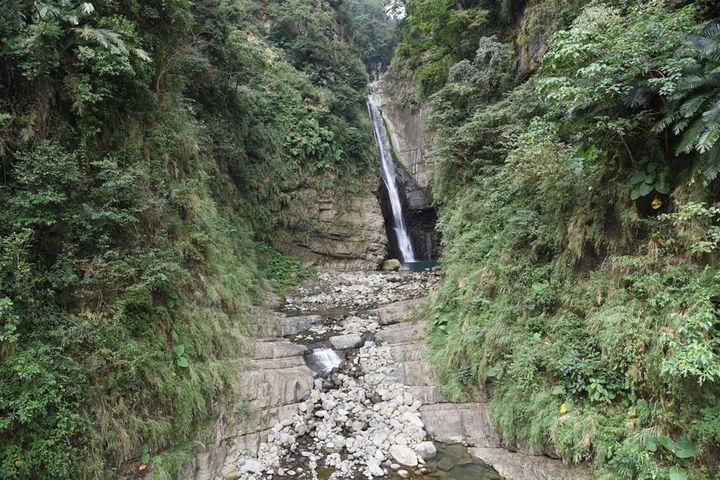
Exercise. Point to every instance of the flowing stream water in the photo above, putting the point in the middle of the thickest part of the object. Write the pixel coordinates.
(389, 174)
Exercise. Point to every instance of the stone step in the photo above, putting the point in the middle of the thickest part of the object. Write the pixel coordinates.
(276, 348)
(408, 352)
(414, 373)
(397, 312)
(401, 333)
(266, 388)
(238, 435)
(427, 394)
(278, 363)
(293, 325)
(460, 422)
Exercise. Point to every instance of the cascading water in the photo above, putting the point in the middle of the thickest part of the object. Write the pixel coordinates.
(389, 174)
(324, 360)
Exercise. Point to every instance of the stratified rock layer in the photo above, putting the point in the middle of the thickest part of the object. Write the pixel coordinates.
(340, 233)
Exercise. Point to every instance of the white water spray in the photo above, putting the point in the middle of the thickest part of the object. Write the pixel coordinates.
(325, 359)
(389, 174)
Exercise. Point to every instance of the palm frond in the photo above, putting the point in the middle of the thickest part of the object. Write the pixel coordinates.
(710, 163)
(712, 31)
(106, 38)
(691, 82)
(87, 8)
(12, 12)
(141, 54)
(708, 139)
(690, 138)
(712, 115)
(693, 105)
(666, 122)
(102, 37)
(680, 126)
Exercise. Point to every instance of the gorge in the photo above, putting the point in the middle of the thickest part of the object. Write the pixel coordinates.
(226, 253)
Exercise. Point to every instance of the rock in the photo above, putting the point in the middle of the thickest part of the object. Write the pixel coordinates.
(251, 466)
(425, 450)
(367, 413)
(403, 473)
(231, 473)
(343, 342)
(403, 455)
(445, 464)
(375, 470)
(406, 119)
(391, 265)
(521, 466)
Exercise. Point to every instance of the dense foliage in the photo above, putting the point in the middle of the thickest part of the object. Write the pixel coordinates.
(373, 32)
(579, 211)
(144, 147)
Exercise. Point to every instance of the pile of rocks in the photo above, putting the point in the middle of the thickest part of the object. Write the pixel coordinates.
(360, 290)
(365, 425)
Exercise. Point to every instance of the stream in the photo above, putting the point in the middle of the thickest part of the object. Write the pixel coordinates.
(358, 421)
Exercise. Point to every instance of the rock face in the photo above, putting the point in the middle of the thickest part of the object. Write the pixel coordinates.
(406, 123)
(342, 233)
(538, 23)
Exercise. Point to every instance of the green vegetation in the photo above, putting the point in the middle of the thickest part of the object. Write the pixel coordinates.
(579, 212)
(283, 271)
(145, 148)
(150, 151)
(373, 32)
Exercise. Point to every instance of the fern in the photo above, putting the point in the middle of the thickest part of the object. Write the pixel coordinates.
(694, 110)
(11, 12)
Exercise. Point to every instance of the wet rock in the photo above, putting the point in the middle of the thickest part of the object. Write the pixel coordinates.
(425, 450)
(521, 466)
(404, 455)
(375, 470)
(231, 472)
(445, 464)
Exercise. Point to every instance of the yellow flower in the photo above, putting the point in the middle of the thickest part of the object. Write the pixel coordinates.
(563, 408)
(656, 203)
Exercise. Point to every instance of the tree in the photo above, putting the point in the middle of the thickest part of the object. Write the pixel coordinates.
(694, 110)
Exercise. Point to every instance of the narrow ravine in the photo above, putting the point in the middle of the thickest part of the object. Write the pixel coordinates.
(362, 416)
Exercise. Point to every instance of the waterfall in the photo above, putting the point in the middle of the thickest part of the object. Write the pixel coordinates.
(389, 174)
(324, 360)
